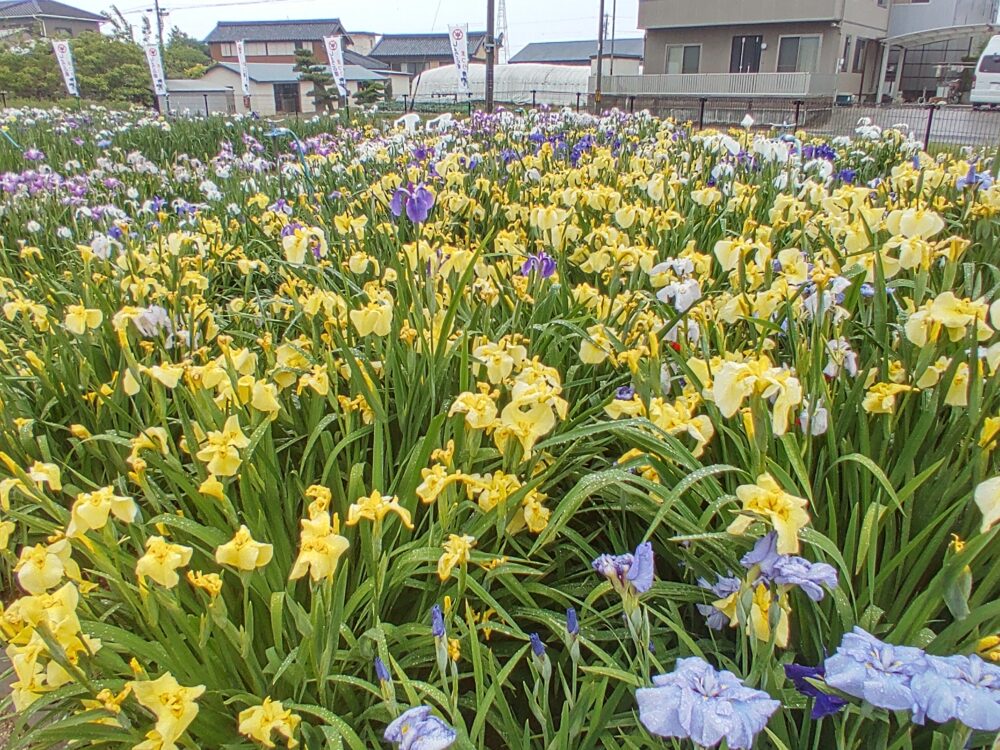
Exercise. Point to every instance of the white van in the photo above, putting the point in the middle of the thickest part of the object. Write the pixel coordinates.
(986, 88)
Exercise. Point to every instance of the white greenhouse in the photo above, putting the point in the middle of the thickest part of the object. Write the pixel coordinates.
(513, 84)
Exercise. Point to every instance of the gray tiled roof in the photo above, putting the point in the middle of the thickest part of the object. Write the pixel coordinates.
(286, 73)
(576, 52)
(45, 8)
(275, 31)
(417, 46)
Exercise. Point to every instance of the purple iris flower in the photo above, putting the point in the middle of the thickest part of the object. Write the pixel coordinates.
(418, 729)
(624, 393)
(437, 621)
(847, 176)
(723, 587)
(416, 201)
(381, 671)
(537, 647)
(877, 672)
(975, 180)
(34, 154)
(824, 704)
(629, 570)
(541, 262)
(789, 570)
(965, 688)
(706, 705)
(572, 622)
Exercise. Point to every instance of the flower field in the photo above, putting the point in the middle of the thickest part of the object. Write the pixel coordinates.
(539, 431)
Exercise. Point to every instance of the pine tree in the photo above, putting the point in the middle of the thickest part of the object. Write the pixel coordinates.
(324, 88)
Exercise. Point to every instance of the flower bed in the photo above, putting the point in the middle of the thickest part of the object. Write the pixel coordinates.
(540, 431)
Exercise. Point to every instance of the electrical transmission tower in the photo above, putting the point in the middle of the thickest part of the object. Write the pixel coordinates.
(502, 26)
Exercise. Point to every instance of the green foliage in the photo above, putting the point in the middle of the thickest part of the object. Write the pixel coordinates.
(324, 91)
(185, 56)
(370, 92)
(107, 69)
(886, 491)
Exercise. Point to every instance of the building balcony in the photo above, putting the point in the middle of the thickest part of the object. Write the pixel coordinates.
(720, 84)
(655, 14)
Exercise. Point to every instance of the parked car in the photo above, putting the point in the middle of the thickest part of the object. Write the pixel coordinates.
(986, 86)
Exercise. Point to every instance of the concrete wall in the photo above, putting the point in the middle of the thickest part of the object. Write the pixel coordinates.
(624, 66)
(673, 13)
(195, 102)
(716, 45)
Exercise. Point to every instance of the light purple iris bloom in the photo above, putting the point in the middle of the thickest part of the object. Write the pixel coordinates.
(700, 703)
(975, 179)
(416, 201)
(790, 570)
(418, 729)
(34, 154)
(877, 672)
(629, 570)
(723, 587)
(541, 262)
(965, 688)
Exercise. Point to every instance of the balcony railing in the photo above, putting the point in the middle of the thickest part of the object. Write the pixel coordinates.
(719, 84)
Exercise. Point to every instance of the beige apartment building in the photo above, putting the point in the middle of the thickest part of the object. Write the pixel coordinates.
(768, 48)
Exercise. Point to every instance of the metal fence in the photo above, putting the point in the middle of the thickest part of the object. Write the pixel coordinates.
(937, 126)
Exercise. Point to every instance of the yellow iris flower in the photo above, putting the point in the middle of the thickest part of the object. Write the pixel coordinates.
(161, 561)
(786, 512)
(270, 717)
(456, 552)
(243, 553)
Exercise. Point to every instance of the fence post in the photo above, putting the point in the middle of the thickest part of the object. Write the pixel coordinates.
(578, 101)
(701, 114)
(534, 99)
(207, 111)
(405, 97)
(631, 105)
(798, 106)
(930, 121)
(470, 104)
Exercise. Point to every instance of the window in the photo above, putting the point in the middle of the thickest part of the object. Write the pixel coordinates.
(256, 48)
(860, 48)
(990, 64)
(846, 57)
(280, 48)
(300, 45)
(228, 49)
(798, 54)
(683, 58)
(62, 30)
(885, 3)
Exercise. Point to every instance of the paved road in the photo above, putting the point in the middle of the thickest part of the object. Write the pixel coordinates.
(951, 124)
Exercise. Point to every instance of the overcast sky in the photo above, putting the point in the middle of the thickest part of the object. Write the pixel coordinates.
(528, 20)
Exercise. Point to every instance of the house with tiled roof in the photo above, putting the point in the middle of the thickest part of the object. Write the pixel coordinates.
(21, 19)
(415, 53)
(272, 41)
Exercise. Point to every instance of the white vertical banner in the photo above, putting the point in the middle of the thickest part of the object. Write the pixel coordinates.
(459, 36)
(156, 69)
(241, 55)
(335, 51)
(65, 59)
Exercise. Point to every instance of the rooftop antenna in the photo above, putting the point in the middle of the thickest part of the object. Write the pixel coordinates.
(504, 34)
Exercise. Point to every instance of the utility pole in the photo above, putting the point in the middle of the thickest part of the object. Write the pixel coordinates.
(491, 51)
(600, 59)
(614, 18)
